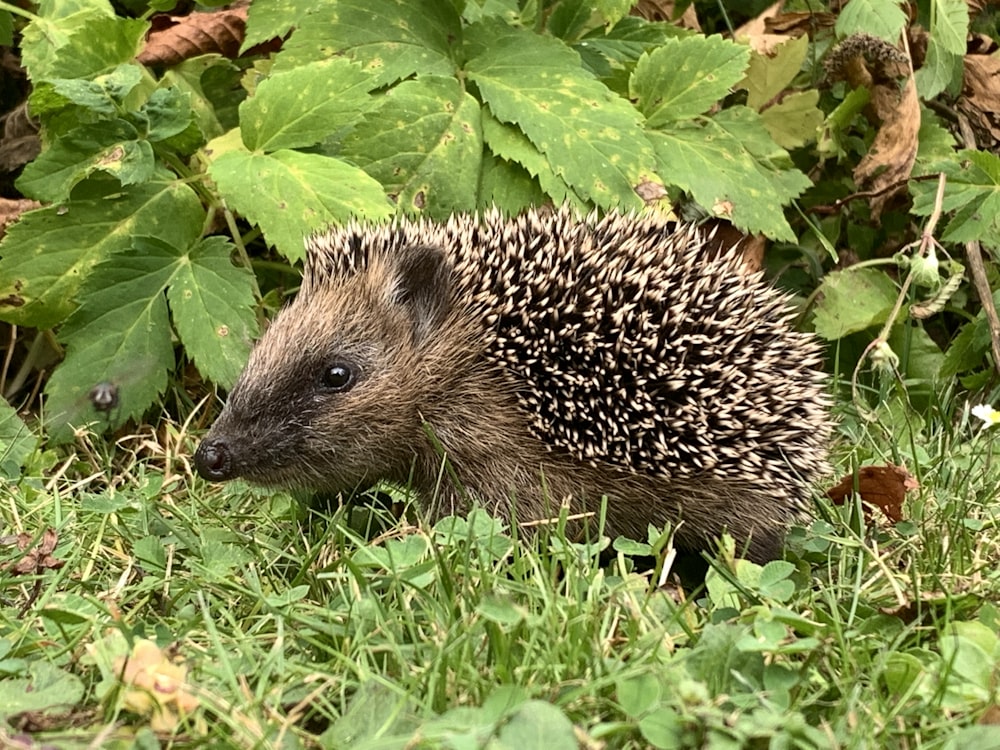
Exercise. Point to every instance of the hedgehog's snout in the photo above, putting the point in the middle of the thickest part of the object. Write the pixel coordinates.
(214, 460)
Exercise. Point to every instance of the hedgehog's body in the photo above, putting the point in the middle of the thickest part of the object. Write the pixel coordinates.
(551, 360)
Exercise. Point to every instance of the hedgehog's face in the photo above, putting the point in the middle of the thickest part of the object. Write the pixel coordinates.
(331, 396)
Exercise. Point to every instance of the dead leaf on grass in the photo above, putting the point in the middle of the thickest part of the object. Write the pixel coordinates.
(156, 685)
(38, 559)
(882, 487)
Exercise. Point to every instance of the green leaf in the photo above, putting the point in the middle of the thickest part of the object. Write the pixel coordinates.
(732, 168)
(940, 68)
(290, 195)
(923, 357)
(424, 144)
(853, 300)
(120, 336)
(6, 28)
(570, 18)
(17, 441)
(508, 142)
(686, 77)
(212, 302)
(49, 252)
(973, 192)
(628, 39)
(638, 694)
(305, 105)
(882, 18)
(613, 11)
(507, 186)
(391, 40)
(768, 74)
(112, 146)
(795, 120)
(84, 46)
(590, 136)
(538, 725)
(46, 687)
(214, 94)
(950, 24)
(168, 113)
(273, 19)
(103, 94)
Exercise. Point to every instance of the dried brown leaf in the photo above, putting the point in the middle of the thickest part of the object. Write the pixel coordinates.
(980, 100)
(11, 209)
(178, 38)
(39, 558)
(665, 10)
(865, 60)
(882, 487)
(799, 23)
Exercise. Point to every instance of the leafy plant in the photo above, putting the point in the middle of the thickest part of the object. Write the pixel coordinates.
(369, 108)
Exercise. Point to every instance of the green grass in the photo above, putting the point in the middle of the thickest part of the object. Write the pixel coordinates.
(281, 626)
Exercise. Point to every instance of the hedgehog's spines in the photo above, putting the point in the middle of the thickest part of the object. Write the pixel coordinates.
(625, 343)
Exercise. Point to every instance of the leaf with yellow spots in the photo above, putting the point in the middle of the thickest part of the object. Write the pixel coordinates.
(424, 144)
(121, 335)
(591, 137)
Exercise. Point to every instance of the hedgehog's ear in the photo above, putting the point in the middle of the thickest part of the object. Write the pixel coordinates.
(423, 284)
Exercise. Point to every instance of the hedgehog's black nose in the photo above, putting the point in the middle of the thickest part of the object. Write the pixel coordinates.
(213, 460)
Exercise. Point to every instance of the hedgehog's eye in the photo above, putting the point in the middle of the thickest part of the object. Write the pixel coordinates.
(338, 377)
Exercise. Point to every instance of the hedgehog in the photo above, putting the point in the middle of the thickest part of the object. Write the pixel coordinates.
(535, 365)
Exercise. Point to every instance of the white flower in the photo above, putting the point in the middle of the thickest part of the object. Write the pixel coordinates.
(987, 413)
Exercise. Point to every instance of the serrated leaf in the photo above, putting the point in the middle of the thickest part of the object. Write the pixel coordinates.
(290, 194)
(167, 112)
(212, 302)
(100, 95)
(507, 186)
(570, 18)
(795, 120)
(273, 19)
(508, 142)
(424, 144)
(303, 106)
(49, 252)
(940, 68)
(882, 18)
(17, 441)
(629, 38)
(972, 192)
(213, 93)
(768, 74)
(391, 40)
(120, 337)
(853, 300)
(96, 44)
(590, 136)
(613, 11)
(112, 146)
(686, 77)
(728, 165)
(950, 26)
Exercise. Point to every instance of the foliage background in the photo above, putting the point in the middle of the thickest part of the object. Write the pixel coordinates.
(162, 172)
(161, 161)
